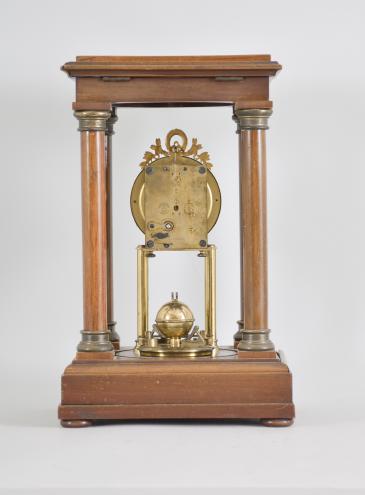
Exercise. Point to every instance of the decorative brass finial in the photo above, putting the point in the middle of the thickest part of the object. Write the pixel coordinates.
(176, 148)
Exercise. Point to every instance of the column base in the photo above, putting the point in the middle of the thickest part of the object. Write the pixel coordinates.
(255, 340)
(114, 336)
(237, 337)
(95, 342)
(257, 355)
(94, 356)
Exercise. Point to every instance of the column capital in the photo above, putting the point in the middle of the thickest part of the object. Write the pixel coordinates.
(110, 123)
(92, 120)
(252, 118)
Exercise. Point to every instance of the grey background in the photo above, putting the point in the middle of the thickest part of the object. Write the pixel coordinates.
(316, 244)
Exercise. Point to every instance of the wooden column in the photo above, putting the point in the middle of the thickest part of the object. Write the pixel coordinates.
(95, 335)
(114, 337)
(253, 334)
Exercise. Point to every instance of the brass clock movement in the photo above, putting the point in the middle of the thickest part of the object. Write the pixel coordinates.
(175, 368)
(176, 201)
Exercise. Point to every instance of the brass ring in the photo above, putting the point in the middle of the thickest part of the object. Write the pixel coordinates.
(176, 132)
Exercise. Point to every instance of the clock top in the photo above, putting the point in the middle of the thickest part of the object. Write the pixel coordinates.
(209, 65)
(107, 81)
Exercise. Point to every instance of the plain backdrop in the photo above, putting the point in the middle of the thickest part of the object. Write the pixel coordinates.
(316, 175)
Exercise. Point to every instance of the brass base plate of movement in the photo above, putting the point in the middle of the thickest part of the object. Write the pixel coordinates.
(187, 349)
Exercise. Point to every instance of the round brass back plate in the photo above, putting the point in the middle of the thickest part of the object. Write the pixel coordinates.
(213, 196)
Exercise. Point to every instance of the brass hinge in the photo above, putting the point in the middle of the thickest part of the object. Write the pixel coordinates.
(115, 79)
(229, 78)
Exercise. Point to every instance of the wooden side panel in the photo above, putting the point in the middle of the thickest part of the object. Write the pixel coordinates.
(176, 388)
(172, 89)
(138, 389)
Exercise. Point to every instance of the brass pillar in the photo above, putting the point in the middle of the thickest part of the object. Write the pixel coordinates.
(253, 333)
(95, 335)
(142, 294)
(210, 295)
(114, 337)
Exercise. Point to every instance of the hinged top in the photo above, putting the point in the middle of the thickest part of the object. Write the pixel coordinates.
(211, 65)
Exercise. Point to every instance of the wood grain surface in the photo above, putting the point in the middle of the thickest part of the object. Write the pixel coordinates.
(150, 388)
(254, 288)
(94, 237)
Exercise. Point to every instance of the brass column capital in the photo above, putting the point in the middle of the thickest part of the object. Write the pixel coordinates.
(110, 123)
(252, 118)
(92, 120)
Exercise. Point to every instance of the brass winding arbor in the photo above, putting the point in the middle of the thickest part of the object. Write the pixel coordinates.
(247, 381)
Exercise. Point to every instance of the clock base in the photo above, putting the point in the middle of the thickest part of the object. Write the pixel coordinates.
(230, 387)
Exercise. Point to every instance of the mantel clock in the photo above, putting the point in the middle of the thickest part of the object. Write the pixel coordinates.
(176, 369)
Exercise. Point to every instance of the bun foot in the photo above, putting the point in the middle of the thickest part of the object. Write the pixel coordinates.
(277, 422)
(76, 423)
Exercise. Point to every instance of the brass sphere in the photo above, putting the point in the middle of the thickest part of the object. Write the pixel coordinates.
(174, 319)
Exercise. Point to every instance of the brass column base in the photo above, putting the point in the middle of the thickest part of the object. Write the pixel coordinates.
(237, 337)
(114, 336)
(255, 340)
(95, 342)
